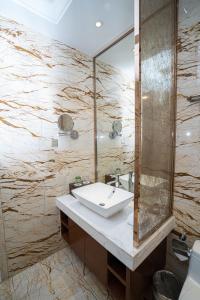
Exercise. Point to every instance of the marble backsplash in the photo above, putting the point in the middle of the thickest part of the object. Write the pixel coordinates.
(40, 79)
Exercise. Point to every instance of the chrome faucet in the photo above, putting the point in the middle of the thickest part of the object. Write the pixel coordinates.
(117, 175)
(130, 181)
(117, 181)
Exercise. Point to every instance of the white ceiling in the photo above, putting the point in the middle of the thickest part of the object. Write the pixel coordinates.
(76, 27)
(51, 10)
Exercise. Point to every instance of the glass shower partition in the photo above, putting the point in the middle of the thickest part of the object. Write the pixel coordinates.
(155, 44)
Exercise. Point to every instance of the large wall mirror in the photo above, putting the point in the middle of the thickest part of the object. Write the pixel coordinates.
(115, 113)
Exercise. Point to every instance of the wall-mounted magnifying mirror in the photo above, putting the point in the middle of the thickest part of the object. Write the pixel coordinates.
(112, 135)
(66, 125)
(117, 127)
(65, 122)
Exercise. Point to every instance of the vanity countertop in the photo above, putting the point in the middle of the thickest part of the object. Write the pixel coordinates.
(114, 233)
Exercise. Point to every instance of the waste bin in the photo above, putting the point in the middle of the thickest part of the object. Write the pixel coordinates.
(165, 286)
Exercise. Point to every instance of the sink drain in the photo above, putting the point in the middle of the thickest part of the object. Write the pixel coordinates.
(102, 204)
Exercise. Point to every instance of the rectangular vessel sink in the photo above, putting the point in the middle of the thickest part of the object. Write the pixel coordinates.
(103, 199)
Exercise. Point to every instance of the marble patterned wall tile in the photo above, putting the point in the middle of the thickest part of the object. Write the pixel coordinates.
(187, 170)
(40, 80)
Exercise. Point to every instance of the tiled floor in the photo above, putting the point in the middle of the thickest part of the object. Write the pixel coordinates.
(58, 277)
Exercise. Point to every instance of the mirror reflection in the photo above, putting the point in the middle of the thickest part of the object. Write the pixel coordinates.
(116, 129)
(115, 114)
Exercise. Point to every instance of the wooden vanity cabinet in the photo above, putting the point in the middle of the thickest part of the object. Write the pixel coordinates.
(140, 280)
(122, 283)
(86, 248)
(76, 239)
(96, 259)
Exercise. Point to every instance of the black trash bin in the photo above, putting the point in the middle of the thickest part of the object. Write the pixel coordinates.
(165, 286)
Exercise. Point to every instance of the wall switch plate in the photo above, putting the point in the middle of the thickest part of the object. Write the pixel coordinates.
(54, 143)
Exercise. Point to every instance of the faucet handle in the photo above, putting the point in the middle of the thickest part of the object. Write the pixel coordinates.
(118, 171)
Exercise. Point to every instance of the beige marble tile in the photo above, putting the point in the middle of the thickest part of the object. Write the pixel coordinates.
(40, 80)
(187, 170)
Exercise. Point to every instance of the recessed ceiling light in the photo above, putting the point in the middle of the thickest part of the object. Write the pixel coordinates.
(99, 24)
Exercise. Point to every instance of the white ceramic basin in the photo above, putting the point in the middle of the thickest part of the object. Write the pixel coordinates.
(104, 199)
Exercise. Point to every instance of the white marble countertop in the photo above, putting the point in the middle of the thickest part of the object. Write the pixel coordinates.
(114, 233)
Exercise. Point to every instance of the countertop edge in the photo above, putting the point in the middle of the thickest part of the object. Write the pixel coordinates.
(131, 260)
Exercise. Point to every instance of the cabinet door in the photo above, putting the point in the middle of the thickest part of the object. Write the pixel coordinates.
(76, 239)
(96, 259)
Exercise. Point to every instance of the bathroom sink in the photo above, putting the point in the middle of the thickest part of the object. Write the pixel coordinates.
(103, 199)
